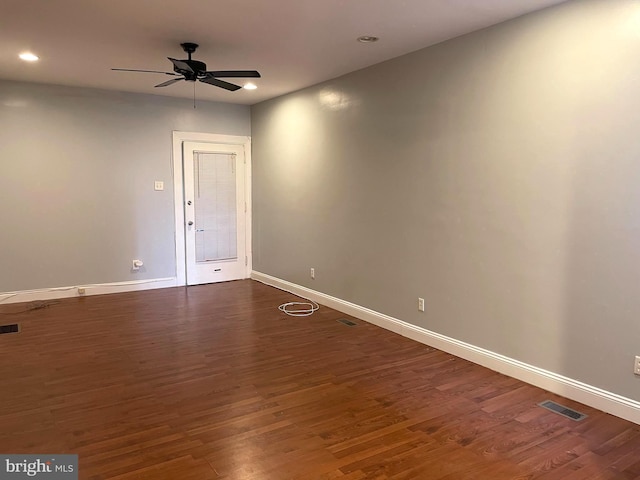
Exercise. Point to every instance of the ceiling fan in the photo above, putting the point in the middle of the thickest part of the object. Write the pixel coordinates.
(192, 70)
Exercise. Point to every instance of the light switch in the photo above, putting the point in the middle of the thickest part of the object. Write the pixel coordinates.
(158, 185)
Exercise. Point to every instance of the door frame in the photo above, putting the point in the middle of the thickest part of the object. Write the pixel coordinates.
(178, 194)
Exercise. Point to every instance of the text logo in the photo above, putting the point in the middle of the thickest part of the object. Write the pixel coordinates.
(44, 467)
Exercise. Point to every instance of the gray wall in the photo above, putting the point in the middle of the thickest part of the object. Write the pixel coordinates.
(77, 169)
(497, 175)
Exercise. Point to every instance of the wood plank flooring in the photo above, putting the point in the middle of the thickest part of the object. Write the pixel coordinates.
(213, 382)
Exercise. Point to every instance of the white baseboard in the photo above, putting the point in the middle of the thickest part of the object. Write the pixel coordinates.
(90, 289)
(569, 388)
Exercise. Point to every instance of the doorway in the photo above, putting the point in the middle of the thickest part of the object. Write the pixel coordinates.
(212, 200)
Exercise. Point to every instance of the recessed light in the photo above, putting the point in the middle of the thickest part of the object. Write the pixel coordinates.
(29, 57)
(250, 86)
(368, 39)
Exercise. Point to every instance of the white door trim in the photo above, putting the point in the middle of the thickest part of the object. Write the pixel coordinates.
(178, 193)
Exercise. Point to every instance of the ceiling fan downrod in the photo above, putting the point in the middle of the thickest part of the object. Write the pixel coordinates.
(189, 48)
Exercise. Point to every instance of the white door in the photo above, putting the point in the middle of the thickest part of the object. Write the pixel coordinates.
(214, 212)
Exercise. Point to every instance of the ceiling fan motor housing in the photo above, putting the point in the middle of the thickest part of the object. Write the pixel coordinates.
(197, 69)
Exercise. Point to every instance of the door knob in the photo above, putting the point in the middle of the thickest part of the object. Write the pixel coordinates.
(190, 223)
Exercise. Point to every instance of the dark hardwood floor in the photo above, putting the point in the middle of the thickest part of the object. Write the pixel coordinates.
(213, 382)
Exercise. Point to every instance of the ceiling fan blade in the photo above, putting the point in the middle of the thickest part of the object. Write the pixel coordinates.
(169, 82)
(234, 74)
(143, 71)
(180, 65)
(220, 83)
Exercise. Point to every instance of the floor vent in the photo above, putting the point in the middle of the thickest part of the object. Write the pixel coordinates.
(12, 328)
(348, 323)
(562, 410)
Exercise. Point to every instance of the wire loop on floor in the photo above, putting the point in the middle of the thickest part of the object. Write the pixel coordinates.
(299, 309)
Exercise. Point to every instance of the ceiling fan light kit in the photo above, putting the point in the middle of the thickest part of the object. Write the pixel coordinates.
(192, 70)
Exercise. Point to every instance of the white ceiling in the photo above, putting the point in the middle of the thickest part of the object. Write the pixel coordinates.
(293, 43)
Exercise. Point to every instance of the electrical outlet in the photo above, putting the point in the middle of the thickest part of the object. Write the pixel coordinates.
(82, 290)
(421, 304)
(636, 365)
(313, 273)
